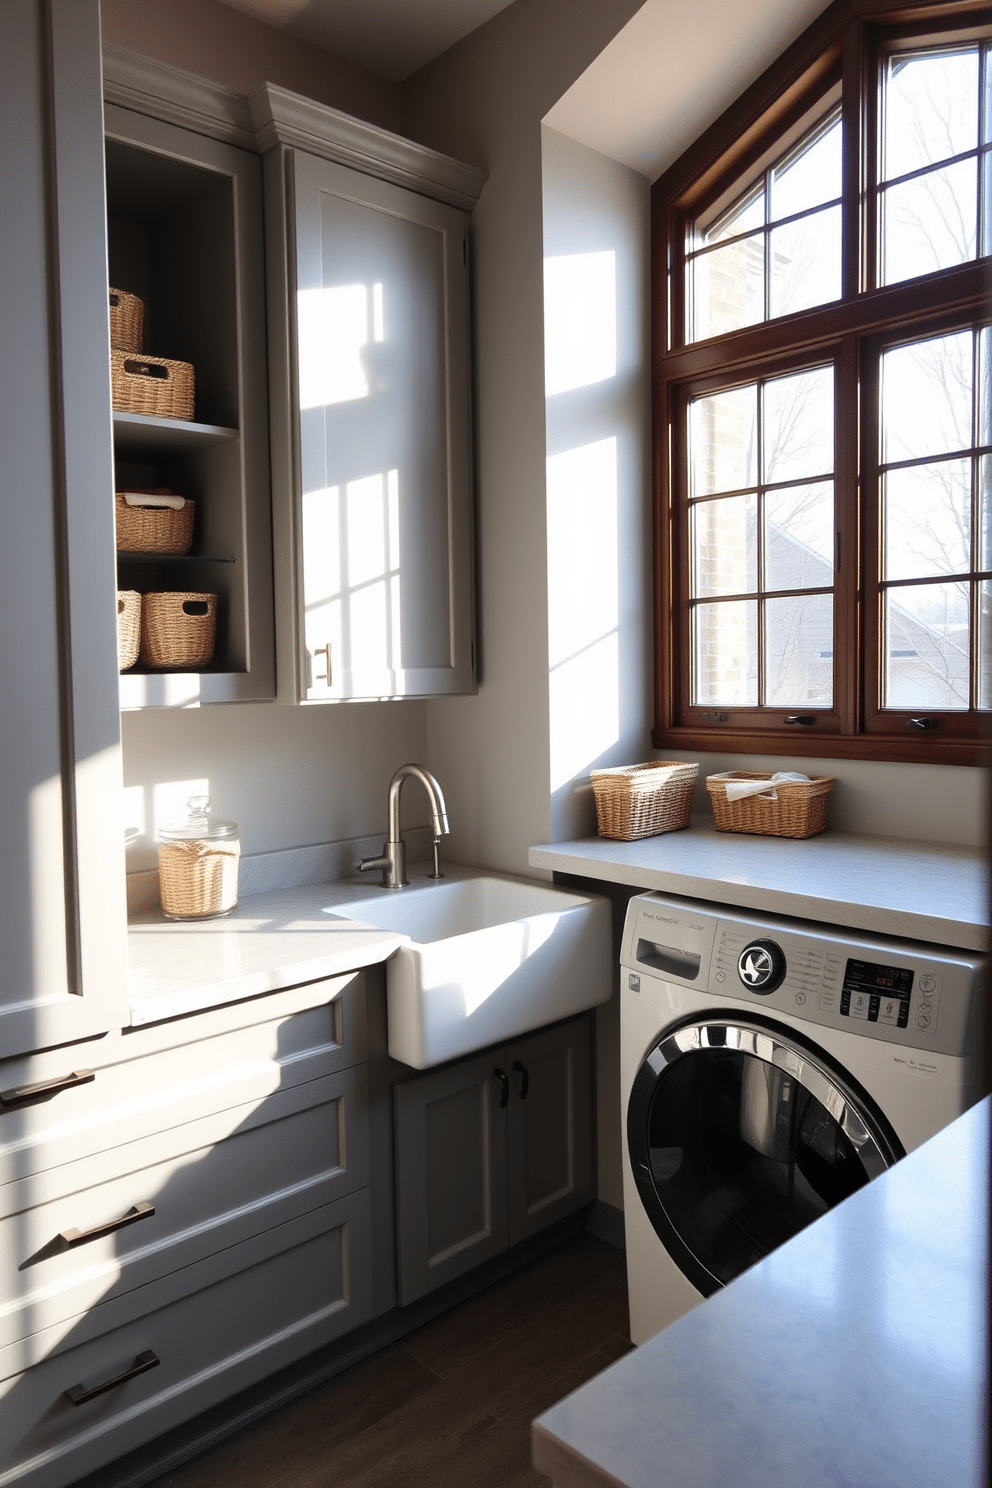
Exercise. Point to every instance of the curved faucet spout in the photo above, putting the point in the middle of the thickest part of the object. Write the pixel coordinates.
(435, 795)
(392, 860)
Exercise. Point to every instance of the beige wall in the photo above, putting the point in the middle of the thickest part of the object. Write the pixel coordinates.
(483, 101)
(240, 52)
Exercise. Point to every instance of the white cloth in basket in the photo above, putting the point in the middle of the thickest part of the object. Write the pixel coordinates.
(738, 789)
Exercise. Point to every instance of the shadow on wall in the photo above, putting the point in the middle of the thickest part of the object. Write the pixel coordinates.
(597, 430)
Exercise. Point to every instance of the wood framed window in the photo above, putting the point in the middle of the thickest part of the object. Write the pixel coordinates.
(823, 400)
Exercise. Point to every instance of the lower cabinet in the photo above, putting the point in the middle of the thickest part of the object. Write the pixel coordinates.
(184, 1212)
(489, 1150)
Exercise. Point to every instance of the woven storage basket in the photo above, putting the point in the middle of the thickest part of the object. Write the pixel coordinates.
(643, 800)
(128, 627)
(799, 810)
(127, 320)
(198, 878)
(153, 529)
(177, 630)
(152, 385)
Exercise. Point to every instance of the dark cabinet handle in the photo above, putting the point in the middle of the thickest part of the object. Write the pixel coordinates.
(521, 1070)
(504, 1086)
(74, 1237)
(79, 1394)
(23, 1095)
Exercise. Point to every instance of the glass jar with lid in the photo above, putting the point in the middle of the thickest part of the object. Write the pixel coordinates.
(198, 864)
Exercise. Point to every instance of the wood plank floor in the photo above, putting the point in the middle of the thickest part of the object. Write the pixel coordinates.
(451, 1405)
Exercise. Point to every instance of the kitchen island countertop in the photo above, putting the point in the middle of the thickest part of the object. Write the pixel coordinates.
(855, 1353)
(918, 890)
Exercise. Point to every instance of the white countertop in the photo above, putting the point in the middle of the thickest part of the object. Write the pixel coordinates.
(270, 941)
(917, 890)
(856, 1353)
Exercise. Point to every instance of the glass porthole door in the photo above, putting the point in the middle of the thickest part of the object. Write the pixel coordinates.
(739, 1136)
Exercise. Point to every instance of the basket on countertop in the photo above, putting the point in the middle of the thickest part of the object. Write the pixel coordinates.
(151, 385)
(198, 864)
(635, 801)
(153, 529)
(128, 627)
(127, 320)
(178, 630)
(794, 808)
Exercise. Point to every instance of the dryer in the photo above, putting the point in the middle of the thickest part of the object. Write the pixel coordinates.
(769, 1068)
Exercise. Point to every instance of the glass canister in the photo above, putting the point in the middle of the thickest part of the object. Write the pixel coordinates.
(198, 864)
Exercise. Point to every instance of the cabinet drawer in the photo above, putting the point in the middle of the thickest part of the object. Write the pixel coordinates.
(139, 1091)
(57, 1258)
(206, 1346)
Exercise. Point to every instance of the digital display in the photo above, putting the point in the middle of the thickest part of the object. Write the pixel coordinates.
(863, 976)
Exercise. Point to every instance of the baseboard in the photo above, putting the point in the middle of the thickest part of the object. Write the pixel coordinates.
(605, 1221)
(203, 1433)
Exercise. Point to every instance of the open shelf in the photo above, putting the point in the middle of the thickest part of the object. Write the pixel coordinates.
(169, 558)
(142, 436)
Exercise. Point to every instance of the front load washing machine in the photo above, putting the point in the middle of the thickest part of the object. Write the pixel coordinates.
(769, 1068)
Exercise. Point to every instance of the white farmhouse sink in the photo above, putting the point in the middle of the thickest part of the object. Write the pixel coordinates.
(487, 958)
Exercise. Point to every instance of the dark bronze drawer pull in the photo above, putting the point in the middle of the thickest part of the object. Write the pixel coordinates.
(23, 1095)
(521, 1070)
(504, 1086)
(79, 1394)
(73, 1237)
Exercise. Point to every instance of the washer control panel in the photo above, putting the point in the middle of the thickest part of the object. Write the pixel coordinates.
(896, 990)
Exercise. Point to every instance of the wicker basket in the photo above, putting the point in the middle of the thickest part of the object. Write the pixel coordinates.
(644, 800)
(127, 320)
(198, 879)
(128, 627)
(799, 808)
(153, 529)
(178, 630)
(151, 385)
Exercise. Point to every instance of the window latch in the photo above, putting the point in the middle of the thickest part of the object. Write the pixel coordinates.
(923, 723)
(804, 718)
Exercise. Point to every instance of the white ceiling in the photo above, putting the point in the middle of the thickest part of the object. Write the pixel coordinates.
(665, 77)
(672, 71)
(391, 37)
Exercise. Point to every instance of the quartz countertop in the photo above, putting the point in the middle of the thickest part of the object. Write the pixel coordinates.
(270, 941)
(917, 890)
(856, 1353)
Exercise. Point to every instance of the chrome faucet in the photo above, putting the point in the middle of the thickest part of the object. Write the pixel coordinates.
(392, 860)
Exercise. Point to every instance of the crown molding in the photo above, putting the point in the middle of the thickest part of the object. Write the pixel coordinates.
(176, 97)
(285, 118)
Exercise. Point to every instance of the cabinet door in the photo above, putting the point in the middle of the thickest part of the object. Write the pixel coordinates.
(549, 1127)
(62, 906)
(382, 490)
(450, 1143)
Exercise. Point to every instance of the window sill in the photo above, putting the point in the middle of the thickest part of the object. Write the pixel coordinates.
(923, 749)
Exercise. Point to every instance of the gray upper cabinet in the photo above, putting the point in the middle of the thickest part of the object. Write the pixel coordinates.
(369, 339)
(62, 912)
(185, 234)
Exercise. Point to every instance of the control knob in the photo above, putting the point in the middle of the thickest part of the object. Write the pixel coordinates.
(761, 966)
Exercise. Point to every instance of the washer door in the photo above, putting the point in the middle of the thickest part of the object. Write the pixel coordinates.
(740, 1133)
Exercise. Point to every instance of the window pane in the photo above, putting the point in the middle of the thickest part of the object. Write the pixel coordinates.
(985, 246)
(926, 398)
(927, 634)
(985, 385)
(985, 513)
(985, 645)
(929, 223)
(805, 263)
(799, 537)
(931, 109)
(725, 653)
(799, 650)
(725, 546)
(722, 435)
(798, 430)
(727, 288)
(811, 174)
(747, 213)
(927, 520)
